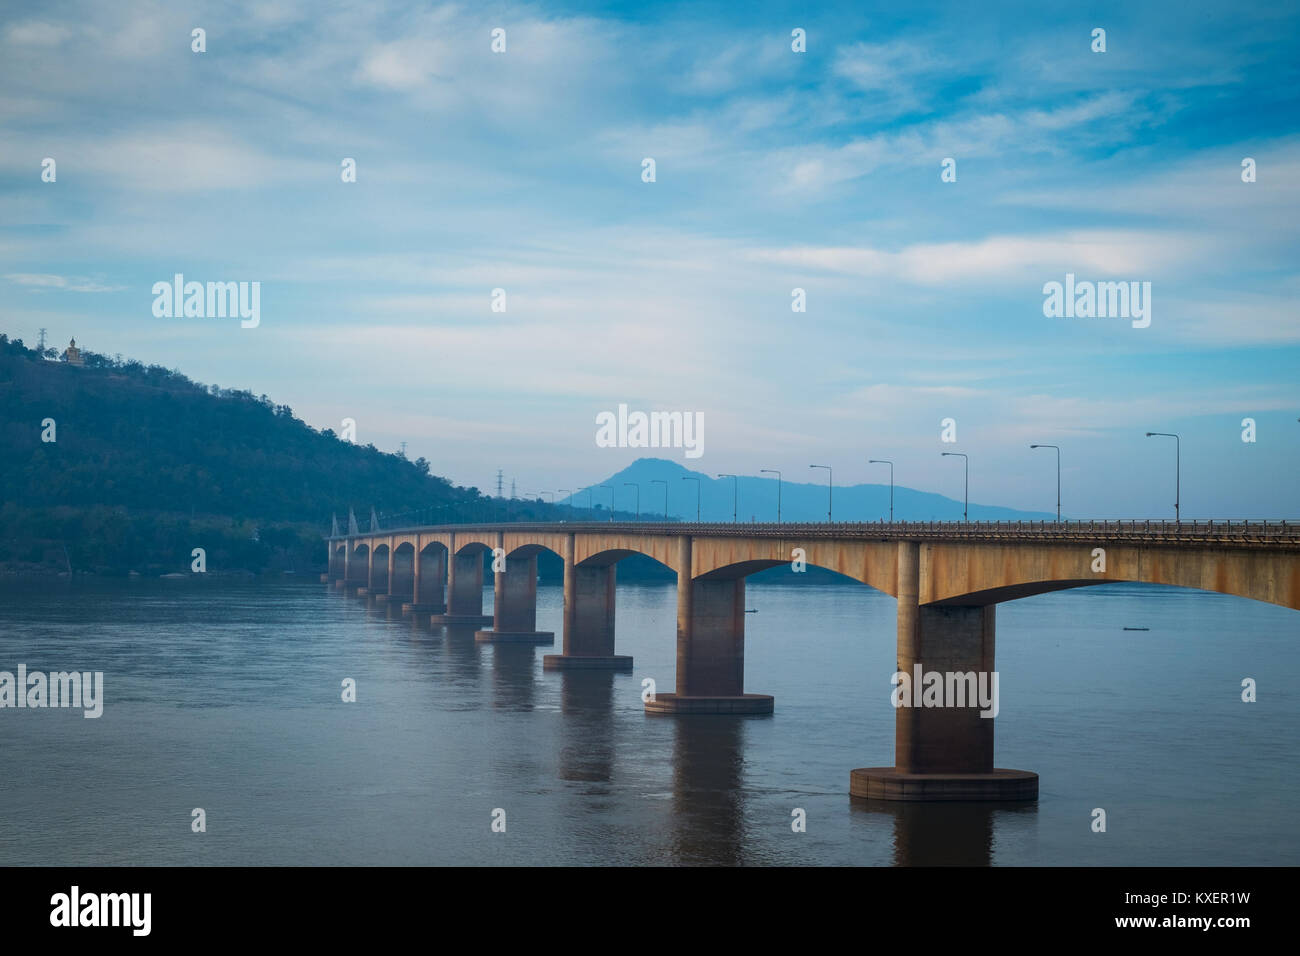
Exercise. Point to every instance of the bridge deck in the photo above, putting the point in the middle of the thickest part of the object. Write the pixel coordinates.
(1282, 535)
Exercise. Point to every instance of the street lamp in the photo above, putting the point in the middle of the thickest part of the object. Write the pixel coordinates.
(1178, 465)
(886, 461)
(697, 495)
(633, 484)
(660, 481)
(830, 486)
(773, 471)
(735, 494)
(965, 508)
(610, 489)
(1058, 478)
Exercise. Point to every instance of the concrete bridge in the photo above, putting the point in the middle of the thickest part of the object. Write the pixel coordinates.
(947, 578)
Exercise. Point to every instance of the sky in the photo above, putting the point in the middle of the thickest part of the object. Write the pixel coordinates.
(775, 170)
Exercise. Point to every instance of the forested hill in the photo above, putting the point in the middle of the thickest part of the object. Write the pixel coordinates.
(140, 441)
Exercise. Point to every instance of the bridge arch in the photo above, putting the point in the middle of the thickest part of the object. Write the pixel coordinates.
(607, 559)
(980, 575)
(379, 569)
(605, 549)
(531, 551)
(873, 563)
(403, 578)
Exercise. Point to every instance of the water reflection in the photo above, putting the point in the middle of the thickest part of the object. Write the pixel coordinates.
(708, 791)
(462, 652)
(513, 681)
(944, 834)
(587, 747)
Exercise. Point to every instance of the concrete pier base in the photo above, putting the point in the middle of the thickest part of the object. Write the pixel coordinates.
(493, 636)
(364, 592)
(710, 647)
(576, 662)
(324, 579)
(890, 783)
(465, 588)
(460, 620)
(942, 752)
(588, 618)
(681, 704)
(423, 608)
(384, 598)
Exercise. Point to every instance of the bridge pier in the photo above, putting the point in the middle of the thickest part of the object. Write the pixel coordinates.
(397, 579)
(588, 618)
(942, 753)
(710, 647)
(429, 574)
(355, 572)
(514, 605)
(376, 573)
(464, 589)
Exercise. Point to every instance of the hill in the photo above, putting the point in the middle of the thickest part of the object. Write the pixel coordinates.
(141, 464)
(755, 498)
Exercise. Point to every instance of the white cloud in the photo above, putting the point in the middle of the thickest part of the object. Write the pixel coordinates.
(34, 33)
(1105, 253)
(67, 283)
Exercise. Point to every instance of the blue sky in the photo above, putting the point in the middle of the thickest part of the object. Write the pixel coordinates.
(775, 170)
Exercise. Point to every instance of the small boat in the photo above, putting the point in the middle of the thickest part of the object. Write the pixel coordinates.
(1137, 628)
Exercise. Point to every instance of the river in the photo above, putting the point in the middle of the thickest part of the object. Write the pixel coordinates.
(226, 696)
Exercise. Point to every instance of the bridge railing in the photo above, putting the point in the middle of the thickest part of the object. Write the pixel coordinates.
(1242, 531)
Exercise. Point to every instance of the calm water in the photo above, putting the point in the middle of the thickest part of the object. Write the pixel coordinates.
(227, 697)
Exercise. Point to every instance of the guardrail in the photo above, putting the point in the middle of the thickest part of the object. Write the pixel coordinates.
(1227, 532)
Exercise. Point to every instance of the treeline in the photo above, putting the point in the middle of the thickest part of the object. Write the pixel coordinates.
(115, 541)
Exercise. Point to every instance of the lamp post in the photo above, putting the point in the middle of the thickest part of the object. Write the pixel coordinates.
(773, 471)
(830, 489)
(1178, 465)
(610, 489)
(660, 481)
(886, 461)
(735, 495)
(965, 508)
(633, 484)
(697, 495)
(1058, 478)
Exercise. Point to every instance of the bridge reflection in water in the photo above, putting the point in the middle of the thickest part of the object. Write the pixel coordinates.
(944, 833)
(947, 579)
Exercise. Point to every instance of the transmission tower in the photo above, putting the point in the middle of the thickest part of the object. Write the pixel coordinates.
(498, 482)
(42, 343)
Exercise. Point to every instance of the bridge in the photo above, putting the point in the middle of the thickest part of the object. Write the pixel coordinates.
(948, 579)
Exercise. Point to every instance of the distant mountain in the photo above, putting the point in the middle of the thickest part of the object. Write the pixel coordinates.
(800, 501)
